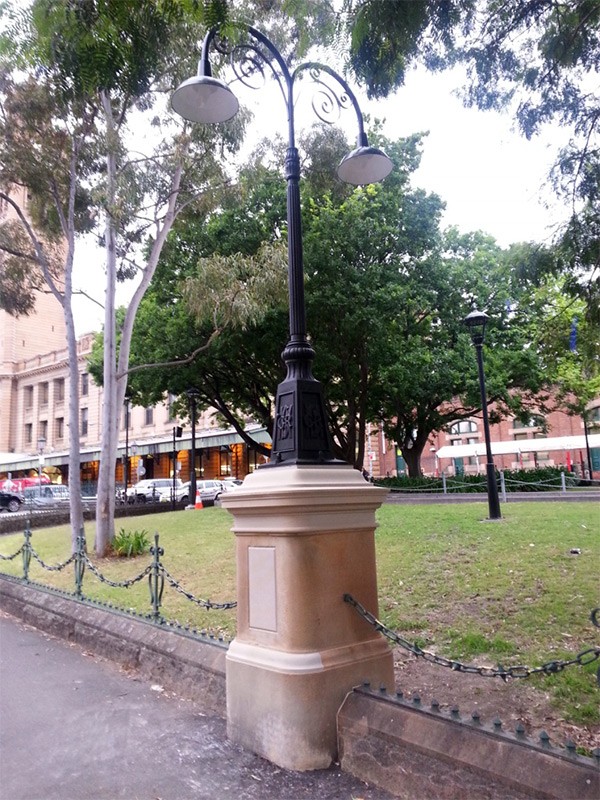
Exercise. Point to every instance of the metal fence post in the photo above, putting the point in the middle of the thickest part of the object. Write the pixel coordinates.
(79, 565)
(444, 482)
(563, 483)
(503, 486)
(27, 551)
(156, 579)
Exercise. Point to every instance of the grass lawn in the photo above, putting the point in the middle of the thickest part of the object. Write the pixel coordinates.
(508, 591)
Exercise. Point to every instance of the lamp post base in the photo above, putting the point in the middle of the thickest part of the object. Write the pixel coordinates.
(304, 537)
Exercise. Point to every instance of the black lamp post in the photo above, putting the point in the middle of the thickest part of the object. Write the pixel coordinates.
(192, 396)
(126, 459)
(300, 433)
(476, 322)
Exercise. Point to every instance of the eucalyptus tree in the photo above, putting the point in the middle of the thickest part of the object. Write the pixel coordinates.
(98, 66)
(47, 156)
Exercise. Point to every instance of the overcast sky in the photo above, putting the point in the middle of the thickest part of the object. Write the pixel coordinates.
(490, 177)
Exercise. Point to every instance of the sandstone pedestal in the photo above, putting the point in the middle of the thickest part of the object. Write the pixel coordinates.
(304, 537)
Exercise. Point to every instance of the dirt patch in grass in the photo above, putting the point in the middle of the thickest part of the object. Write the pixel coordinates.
(512, 701)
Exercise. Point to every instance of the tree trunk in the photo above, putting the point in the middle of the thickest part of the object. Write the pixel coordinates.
(105, 502)
(412, 456)
(115, 372)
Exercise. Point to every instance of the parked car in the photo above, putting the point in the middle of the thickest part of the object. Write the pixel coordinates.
(11, 501)
(149, 490)
(231, 484)
(210, 491)
(47, 496)
(182, 494)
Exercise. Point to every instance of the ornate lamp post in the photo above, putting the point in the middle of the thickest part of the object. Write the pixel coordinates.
(41, 444)
(192, 396)
(476, 322)
(300, 432)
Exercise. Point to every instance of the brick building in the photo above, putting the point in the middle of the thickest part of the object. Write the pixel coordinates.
(515, 445)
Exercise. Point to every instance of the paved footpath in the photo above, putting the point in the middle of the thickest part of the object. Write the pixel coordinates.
(75, 727)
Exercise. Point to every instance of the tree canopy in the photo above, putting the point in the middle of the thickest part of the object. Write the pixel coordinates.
(538, 60)
(386, 292)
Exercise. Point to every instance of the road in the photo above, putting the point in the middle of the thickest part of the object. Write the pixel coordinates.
(76, 727)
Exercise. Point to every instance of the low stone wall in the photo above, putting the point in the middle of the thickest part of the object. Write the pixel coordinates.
(413, 752)
(416, 753)
(179, 662)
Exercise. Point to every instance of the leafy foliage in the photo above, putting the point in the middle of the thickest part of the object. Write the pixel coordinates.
(538, 59)
(128, 544)
(385, 291)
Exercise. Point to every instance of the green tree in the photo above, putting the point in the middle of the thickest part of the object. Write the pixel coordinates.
(385, 292)
(101, 64)
(537, 59)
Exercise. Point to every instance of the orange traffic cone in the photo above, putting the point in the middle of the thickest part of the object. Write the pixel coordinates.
(198, 503)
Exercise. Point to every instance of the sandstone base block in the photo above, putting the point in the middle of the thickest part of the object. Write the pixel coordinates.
(304, 538)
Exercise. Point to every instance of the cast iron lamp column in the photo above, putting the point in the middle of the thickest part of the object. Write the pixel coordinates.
(192, 396)
(476, 322)
(300, 434)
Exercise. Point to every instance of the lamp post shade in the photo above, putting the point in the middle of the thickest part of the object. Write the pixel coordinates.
(204, 99)
(476, 322)
(364, 165)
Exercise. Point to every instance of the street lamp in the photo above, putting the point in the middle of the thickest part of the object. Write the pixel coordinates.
(476, 322)
(126, 459)
(41, 444)
(300, 433)
(192, 396)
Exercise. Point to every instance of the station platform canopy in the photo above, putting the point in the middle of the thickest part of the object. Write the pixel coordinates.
(554, 443)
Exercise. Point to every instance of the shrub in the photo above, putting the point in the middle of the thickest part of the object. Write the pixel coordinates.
(130, 543)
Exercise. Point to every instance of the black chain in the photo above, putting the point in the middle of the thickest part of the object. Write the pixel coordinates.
(204, 603)
(14, 555)
(549, 668)
(116, 584)
(56, 567)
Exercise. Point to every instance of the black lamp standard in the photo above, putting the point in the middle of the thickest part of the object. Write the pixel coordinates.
(126, 459)
(192, 396)
(476, 322)
(300, 433)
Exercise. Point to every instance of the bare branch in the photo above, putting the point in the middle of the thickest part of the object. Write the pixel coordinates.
(178, 362)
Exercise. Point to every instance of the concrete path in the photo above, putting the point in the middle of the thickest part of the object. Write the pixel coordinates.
(76, 727)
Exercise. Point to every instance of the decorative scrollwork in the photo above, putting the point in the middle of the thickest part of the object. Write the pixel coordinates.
(247, 62)
(327, 102)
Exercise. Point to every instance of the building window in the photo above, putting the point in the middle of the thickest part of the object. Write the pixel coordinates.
(529, 421)
(149, 415)
(43, 393)
(464, 426)
(43, 429)
(85, 383)
(28, 433)
(59, 428)
(224, 461)
(59, 390)
(28, 397)
(593, 417)
(84, 421)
